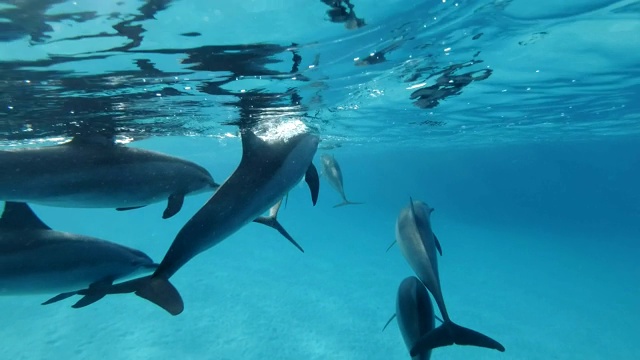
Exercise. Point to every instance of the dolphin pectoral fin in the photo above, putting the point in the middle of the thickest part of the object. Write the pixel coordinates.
(389, 321)
(347, 202)
(438, 244)
(159, 291)
(312, 179)
(273, 223)
(130, 208)
(173, 206)
(450, 333)
(60, 297)
(390, 246)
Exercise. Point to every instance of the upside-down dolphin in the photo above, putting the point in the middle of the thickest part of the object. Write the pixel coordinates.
(415, 314)
(417, 243)
(331, 170)
(267, 171)
(95, 172)
(34, 259)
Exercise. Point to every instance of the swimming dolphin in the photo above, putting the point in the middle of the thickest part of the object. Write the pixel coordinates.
(267, 171)
(415, 315)
(417, 243)
(331, 170)
(34, 259)
(95, 172)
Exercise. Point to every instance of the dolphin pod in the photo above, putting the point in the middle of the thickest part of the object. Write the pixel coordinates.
(267, 171)
(34, 259)
(95, 172)
(418, 245)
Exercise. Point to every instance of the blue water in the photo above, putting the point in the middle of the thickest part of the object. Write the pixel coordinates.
(533, 171)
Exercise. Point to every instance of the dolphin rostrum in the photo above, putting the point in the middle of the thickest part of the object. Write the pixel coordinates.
(34, 259)
(95, 172)
(415, 314)
(331, 170)
(417, 243)
(267, 171)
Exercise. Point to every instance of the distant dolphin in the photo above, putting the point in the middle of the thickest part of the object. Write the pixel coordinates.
(95, 172)
(417, 243)
(37, 260)
(331, 170)
(267, 171)
(415, 314)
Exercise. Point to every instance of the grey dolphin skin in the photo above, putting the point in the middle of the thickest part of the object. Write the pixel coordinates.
(331, 170)
(34, 259)
(415, 314)
(417, 243)
(267, 171)
(95, 172)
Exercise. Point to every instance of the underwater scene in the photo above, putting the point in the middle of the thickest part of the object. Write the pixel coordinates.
(319, 179)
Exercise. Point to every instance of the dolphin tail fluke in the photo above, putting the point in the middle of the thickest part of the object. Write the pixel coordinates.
(88, 299)
(450, 333)
(156, 289)
(272, 222)
(60, 297)
(347, 202)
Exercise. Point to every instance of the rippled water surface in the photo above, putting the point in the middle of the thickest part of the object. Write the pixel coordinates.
(435, 72)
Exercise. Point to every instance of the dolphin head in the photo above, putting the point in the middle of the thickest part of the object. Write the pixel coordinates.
(199, 180)
(422, 209)
(140, 262)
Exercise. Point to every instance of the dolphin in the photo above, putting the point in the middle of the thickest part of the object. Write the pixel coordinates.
(415, 314)
(34, 259)
(331, 170)
(95, 172)
(267, 171)
(417, 243)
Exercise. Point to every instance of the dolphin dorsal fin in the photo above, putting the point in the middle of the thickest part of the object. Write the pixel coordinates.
(19, 216)
(251, 143)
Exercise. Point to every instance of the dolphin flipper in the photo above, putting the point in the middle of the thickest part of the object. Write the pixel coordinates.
(130, 208)
(173, 206)
(438, 244)
(390, 246)
(389, 321)
(450, 333)
(272, 222)
(312, 179)
(347, 202)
